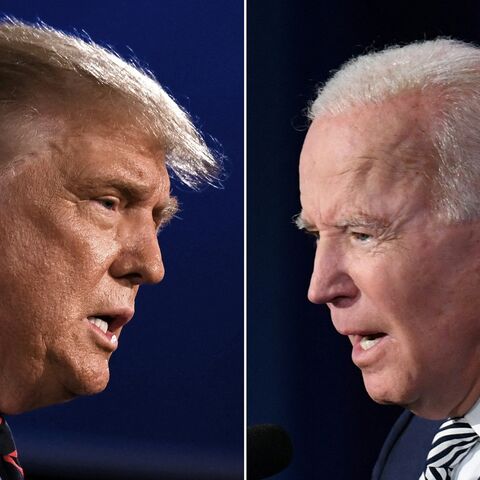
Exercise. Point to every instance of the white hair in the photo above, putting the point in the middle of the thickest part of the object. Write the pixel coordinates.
(447, 69)
(33, 55)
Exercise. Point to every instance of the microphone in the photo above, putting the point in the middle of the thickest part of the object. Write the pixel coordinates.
(269, 451)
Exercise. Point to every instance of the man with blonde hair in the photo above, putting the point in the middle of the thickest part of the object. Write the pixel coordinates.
(86, 141)
(389, 186)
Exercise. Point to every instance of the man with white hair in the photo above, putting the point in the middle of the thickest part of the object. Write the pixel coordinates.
(390, 188)
(86, 140)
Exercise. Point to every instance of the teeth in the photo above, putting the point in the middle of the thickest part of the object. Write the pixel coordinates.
(367, 343)
(114, 339)
(101, 324)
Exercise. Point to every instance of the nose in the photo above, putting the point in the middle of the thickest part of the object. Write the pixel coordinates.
(330, 281)
(139, 259)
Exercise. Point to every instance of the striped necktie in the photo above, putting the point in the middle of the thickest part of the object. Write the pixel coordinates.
(10, 469)
(450, 446)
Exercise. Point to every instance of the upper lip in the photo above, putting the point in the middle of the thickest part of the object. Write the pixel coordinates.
(361, 332)
(356, 335)
(116, 317)
(350, 327)
(359, 336)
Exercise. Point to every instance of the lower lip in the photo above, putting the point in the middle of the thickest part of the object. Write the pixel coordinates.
(364, 358)
(105, 339)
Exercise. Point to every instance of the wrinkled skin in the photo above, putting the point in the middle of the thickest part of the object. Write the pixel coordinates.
(391, 271)
(79, 215)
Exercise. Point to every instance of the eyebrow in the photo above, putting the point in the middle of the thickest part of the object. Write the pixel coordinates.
(132, 191)
(166, 212)
(355, 220)
(363, 220)
(301, 223)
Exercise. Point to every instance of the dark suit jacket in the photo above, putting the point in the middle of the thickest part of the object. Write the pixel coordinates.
(406, 448)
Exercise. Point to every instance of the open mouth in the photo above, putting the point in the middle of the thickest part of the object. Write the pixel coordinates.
(103, 322)
(110, 322)
(369, 341)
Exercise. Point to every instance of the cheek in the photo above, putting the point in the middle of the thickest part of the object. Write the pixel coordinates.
(78, 246)
(402, 284)
(427, 302)
(46, 269)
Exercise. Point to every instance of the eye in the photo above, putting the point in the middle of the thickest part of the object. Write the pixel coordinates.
(361, 237)
(109, 203)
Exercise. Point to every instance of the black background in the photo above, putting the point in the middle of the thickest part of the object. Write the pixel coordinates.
(299, 370)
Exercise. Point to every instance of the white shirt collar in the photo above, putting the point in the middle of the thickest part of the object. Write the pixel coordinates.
(473, 417)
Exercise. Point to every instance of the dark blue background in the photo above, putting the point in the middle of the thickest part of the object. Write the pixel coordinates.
(175, 399)
(299, 370)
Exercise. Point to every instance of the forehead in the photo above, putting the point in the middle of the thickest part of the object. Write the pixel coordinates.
(109, 156)
(395, 132)
(78, 152)
(91, 137)
(375, 151)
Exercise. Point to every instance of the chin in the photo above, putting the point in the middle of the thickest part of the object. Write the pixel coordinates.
(87, 379)
(386, 392)
(383, 398)
(91, 387)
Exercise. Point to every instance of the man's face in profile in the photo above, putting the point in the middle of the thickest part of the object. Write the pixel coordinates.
(400, 282)
(79, 218)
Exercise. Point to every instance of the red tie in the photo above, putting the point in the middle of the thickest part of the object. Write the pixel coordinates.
(10, 468)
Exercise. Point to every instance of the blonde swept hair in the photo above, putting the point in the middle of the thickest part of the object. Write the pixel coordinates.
(36, 56)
